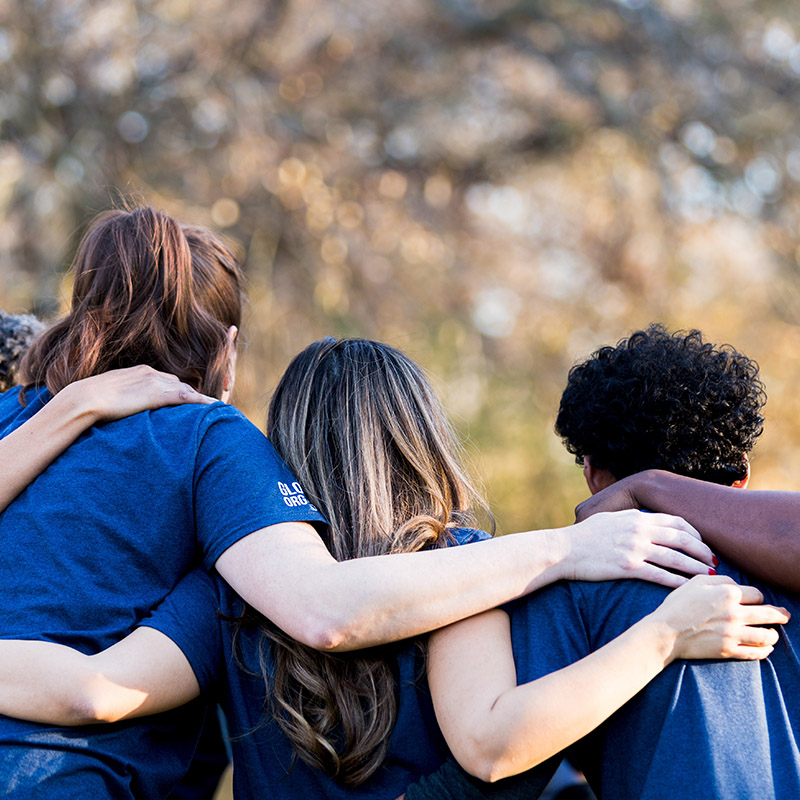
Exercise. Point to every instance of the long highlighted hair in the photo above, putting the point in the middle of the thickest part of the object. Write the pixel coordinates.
(367, 438)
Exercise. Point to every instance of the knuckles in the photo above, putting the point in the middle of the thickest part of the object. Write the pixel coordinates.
(728, 646)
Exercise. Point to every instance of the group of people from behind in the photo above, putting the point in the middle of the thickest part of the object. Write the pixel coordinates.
(330, 585)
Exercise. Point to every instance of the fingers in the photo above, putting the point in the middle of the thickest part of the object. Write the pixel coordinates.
(764, 615)
(144, 370)
(173, 390)
(751, 595)
(746, 653)
(654, 574)
(178, 393)
(188, 395)
(681, 539)
(677, 523)
(758, 637)
(675, 559)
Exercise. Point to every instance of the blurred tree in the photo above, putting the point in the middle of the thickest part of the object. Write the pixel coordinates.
(497, 187)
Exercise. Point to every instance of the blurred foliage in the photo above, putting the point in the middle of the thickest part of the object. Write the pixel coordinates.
(496, 186)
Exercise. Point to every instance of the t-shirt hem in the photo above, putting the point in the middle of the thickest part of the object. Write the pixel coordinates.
(205, 680)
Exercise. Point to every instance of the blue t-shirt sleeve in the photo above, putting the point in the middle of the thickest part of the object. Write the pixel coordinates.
(467, 536)
(188, 616)
(240, 484)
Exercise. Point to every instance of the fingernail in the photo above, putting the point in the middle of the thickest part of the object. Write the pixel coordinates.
(712, 572)
(715, 561)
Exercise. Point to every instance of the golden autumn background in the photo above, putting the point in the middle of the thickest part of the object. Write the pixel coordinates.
(495, 186)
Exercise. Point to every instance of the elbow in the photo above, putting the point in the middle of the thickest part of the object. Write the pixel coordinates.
(82, 707)
(328, 640)
(83, 710)
(483, 760)
(341, 626)
(97, 700)
(486, 769)
(327, 634)
(491, 756)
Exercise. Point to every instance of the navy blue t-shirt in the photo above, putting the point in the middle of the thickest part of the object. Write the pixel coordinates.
(701, 729)
(99, 539)
(263, 759)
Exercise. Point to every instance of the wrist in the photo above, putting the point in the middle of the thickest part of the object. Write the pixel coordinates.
(663, 635)
(76, 405)
(542, 555)
(645, 488)
(561, 546)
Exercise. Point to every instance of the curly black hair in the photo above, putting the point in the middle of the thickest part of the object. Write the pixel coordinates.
(17, 331)
(664, 401)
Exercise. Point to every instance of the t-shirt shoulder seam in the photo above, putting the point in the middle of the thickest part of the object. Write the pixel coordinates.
(198, 436)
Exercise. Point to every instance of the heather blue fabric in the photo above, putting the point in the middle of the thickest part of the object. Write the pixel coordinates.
(264, 762)
(702, 729)
(100, 538)
(210, 761)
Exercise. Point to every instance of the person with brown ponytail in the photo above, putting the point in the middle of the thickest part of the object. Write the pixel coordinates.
(369, 441)
(114, 523)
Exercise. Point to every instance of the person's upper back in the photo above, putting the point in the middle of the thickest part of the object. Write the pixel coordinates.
(100, 538)
(721, 729)
(105, 531)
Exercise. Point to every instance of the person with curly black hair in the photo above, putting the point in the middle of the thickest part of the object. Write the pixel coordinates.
(663, 401)
(701, 730)
(675, 403)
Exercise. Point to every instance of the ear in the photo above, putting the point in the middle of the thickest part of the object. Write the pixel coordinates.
(597, 479)
(742, 483)
(230, 347)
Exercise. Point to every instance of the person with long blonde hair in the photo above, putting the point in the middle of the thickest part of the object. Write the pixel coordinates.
(369, 443)
(113, 523)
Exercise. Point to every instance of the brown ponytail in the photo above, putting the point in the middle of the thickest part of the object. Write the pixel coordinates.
(147, 291)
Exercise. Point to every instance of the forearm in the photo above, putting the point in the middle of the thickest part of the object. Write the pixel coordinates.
(48, 683)
(353, 604)
(394, 597)
(145, 673)
(31, 448)
(286, 572)
(757, 530)
(528, 724)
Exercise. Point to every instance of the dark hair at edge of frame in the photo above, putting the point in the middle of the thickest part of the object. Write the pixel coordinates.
(147, 290)
(17, 331)
(367, 438)
(664, 401)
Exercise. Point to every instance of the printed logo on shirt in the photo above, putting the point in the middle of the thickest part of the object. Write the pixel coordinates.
(293, 495)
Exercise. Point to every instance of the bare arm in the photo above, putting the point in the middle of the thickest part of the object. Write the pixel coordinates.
(496, 728)
(143, 674)
(31, 448)
(286, 572)
(757, 530)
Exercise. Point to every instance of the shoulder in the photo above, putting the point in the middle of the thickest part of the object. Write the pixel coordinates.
(10, 405)
(224, 420)
(13, 412)
(218, 427)
(202, 415)
(467, 536)
(223, 429)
